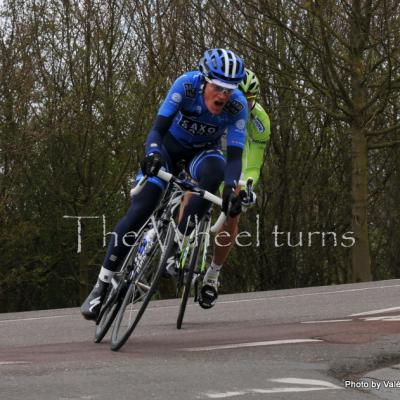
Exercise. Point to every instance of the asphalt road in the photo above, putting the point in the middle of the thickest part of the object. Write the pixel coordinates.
(312, 343)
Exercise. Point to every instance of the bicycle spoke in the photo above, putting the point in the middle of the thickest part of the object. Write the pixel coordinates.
(138, 296)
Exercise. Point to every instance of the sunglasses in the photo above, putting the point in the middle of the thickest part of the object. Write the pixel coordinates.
(220, 89)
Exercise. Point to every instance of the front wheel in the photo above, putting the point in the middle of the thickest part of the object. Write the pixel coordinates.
(140, 291)
(117, 290)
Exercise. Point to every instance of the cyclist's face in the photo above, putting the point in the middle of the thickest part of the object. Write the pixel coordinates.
(215, 97)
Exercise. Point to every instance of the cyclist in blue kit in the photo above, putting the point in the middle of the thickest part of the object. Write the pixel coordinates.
(200, 107)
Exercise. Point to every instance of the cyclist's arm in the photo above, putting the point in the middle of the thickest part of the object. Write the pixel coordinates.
(165, 116)
(158, 130)
(233, 165)
(253, 161)
(236, 139)
(258, 135)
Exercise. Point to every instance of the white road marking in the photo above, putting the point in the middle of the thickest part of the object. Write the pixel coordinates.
(36, 318)
(383, 310)
(252, 344)
(13, 362)
(385, 318)
(315, 386)
(223, 395)
(308, 294)
(299, 381)
(327, 321)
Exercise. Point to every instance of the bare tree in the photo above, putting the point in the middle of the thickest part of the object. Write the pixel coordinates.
(343, 62)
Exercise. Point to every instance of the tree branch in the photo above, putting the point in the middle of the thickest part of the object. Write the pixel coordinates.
(384, 145)
(383, 131)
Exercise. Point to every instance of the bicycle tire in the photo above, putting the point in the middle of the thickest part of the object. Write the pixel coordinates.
(193, 260)
(117, 340)
(109, 312)
(115, 295)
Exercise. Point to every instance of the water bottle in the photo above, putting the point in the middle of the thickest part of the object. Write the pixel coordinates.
(148, 239)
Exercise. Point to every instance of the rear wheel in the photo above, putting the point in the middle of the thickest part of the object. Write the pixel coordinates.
(189, 283)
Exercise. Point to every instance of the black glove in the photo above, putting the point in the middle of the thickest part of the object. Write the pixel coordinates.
(247, 199)
(231, 202)
(151, 164)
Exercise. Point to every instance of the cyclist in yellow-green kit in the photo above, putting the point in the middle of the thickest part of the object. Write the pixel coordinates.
(258, 132)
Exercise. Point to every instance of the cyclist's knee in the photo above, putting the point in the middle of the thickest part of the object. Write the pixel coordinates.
(145, 202)
(211, 173)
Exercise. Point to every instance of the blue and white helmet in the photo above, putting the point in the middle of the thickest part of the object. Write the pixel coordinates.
(222, 67)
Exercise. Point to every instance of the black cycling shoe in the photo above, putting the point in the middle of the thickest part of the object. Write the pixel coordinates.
(208, 296)
(90, 308)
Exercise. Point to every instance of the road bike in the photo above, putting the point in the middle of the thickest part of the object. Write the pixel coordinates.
(193, 259)
(136, 282)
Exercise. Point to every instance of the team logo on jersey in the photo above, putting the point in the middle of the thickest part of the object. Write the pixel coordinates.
(177, 97)
(197, 128)
(260, 141)
(233, 107)
(259, 125)
(240, 124)
(189, 90)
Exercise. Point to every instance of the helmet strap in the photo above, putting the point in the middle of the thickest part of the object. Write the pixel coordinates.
(203, 83)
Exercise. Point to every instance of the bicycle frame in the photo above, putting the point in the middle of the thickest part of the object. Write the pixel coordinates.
(146, 262)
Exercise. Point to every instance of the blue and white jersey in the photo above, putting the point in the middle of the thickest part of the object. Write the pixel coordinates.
(193, 125)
